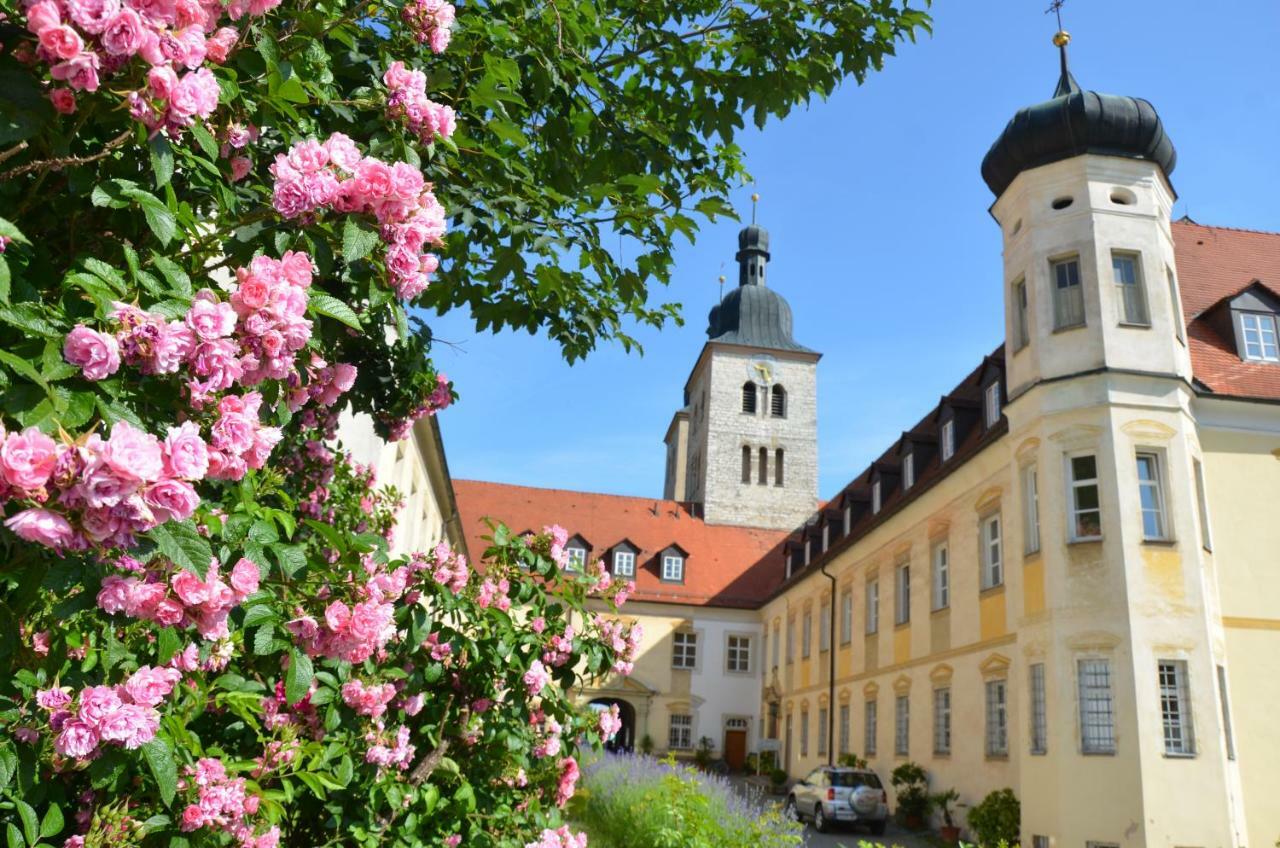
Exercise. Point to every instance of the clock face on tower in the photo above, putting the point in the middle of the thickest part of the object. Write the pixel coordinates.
(760, 369)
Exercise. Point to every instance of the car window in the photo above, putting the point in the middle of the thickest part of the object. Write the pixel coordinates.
(855, 779)
(816, 777)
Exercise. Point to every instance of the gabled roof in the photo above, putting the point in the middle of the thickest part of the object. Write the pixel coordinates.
(727, 566)
(1214, 264)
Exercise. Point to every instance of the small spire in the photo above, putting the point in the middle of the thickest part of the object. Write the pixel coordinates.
(1061, 38)
(755, 200)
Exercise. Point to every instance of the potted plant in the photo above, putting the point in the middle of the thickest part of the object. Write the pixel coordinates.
(996, 819)
(702, 756)
(911, 786)
(949, 832)
(646, 744)
(778, 780)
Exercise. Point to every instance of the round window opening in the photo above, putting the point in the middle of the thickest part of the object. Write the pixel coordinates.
(1123, 197)
(1063, 202)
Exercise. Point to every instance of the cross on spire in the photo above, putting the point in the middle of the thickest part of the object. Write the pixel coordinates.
(1056, 8)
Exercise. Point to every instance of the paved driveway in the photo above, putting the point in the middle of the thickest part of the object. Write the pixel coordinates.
(851, 838)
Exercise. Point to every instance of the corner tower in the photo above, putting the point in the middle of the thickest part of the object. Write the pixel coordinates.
(745, 445)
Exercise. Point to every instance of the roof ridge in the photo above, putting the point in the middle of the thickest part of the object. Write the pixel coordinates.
(1190, 223)
(641, 498)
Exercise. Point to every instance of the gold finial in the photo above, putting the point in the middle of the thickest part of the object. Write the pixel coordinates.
(722, 279)
(1061, 38)
(755, 198)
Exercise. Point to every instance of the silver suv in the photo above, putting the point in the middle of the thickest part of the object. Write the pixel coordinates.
(830, 795)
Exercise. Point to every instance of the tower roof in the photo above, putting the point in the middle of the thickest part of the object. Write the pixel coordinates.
(753, 314)
(1073, 122)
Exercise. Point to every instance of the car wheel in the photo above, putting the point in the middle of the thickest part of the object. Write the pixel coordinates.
(819, 820)
(877, 828)
(790, 810)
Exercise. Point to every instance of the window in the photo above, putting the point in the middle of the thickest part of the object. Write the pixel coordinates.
(824, 627)
(1133, 297)
(826, 537)
(1038, 841)
(846, 617)
(848, 519)
(791, 639)
(941, 576)
(764, 645)
(1039, 713)
(746, 463)
(1226, 712)
(1086, 511)
(808, 548)
(869, 732)
(577, 558)
(873, 606)
(844, 729)
(908, 471)
(992, 404)
(1031, 507)
(1151, 494)
(875, 497)
(901, 725)
(763, 477)
(749, 398)
(1175, 306)
(1068, 295)
(778, 402)
(992, 561)
(804, 732)
(806, 634)
(997, 719)
(948, 439)
(777, 467)
(1097, 719)
(624, 564)
(823, 729)
(1259, 337)
(902, 595)
(680, 732)
(1175, 708)
(1206, 540)
(684, 650)
(942, 721)
(1021, 329)
(673, 568)
(738, 654)
(777, 642)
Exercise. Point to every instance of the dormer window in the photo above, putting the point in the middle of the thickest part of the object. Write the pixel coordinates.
(826, 536)
(1258, 331)
(875, 497)
(991, 405)
(948, 439)
(908, 471)
(848, 518)
(807, 552)
(577, 557)
(624, 563)
(673, 567)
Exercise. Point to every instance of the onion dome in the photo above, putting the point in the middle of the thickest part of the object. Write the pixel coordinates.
(1074, 122)
(753, 314)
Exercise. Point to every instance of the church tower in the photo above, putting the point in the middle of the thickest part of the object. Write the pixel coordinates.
(745, 446)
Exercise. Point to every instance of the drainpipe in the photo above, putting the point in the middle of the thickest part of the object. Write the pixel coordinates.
(831, 670)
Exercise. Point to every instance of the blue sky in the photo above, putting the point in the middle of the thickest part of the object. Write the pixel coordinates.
(881, 239)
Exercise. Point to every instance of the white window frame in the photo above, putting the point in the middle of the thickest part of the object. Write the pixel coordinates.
(991, 539)
(870, 711)
(845, 729)
(672, 564)
(948, 439)
(848, 518)
(680, 732)
(875, 497)
(941, 557)
(846, 616)
(576, 558)
(902, 593)
(902, 726)
(991, 404)
(1138, 300)
(908, 471)
(1068, 299)
(1039, 709)
(1031, 508)
(873, 606)
(1175, 708)
(1263, 335)
(1021, 326)
(776, 645)
(684, 649)
(806, 634)
(804, 731)
(997, 718)
(791, 640)
(942, 721)
(1155, 486)
(824, 626)
(1097, 706)
(822, 731)
(1074, 486)
(624, 564)
(737, 653)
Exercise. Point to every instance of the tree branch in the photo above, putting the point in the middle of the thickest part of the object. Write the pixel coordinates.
(64, 161)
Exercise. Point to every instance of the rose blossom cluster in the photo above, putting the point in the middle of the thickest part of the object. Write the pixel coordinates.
(569, 774)
(431, 22)
(389, 750)
(237, 137)
(440, 398)
(223, 803)
(561, 837)
(368, 700)
(407, 102)
(313, 177)
(548, 732)
(536, 678)
(183, 599)
(609, 722)
(123, 715)
(99, 491)
(353, 633)
(625, 641)
(85, 40)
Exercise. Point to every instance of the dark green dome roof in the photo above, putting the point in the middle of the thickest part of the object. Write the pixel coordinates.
(753, 314)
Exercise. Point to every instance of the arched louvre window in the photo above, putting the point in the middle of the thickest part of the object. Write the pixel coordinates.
(778, 402)
(777, 467)
(746, 463)
(749, 397)
(764, 466)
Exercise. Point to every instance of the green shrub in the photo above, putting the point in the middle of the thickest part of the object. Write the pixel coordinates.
(851, 761)
(911, 785)
(646, 744)
(778, 776)
(997, 819)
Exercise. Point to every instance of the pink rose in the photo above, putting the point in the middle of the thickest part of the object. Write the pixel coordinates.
(162, 81)
(218, 47)
(96, 354)
(132, 454)
(308, 156)
(252, 293)
(209, 319)
(296, 268)
(113, 597)
(27, 459)
(192, 41)
(190, 589)
(185, 453)
(245, 576)
(77, 740)
(240, 168)
(131, 725)
(149, 686)
(123, 35)
(80, 72)
(43, 15)
(171, 500)
(96, 703)
(192, 818)
(63, 99)
(234, 432)
(42, 527)
(93, 15)
(53, 699)
(168, 612)
(62, 42)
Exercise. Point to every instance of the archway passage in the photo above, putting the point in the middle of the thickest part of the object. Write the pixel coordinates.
(625, 739)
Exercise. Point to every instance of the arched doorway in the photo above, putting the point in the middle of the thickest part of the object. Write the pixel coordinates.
(625, 739)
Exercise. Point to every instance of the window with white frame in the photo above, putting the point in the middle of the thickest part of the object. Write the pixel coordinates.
(941, 576)
(991, 404)
(844, 729)
(846, 616)
(1175, 305)
(577, 557)
(1021, 326)
(1259, 332)
(1068, 294)
(942, 720)
(826, 537)
(806, 634)
(808, 551)
(1127, 273)
(1225, 703)
(902, 725)
(848, 519)
(873, 606)
(948, 439)
(824, 626)
(684, 650)
(738, 654)
(624, 564)
(1151, 496)
(1097, 714)
(997, 718)
(875, 497)
(908, 471)
(1031, 508)
(673, 568)
(869, 729)
(992, 552)
(823, 729)
(1175, 708)
(1202, 507)
(791, 639)
(1086, 509)
(777, 644)
(1039, 711)
(680, 732)
(804, 732)
(902, 594)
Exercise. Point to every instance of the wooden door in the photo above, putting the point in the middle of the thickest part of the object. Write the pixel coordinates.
(735, 748)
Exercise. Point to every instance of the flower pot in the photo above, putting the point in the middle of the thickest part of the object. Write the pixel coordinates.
(913, 822)
(949, 834)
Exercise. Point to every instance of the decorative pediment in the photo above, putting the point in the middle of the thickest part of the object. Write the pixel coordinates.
(902, 685)
(1026, 452)
(1077, 436)
(939, 528)
(941, 674)
(995, 666)
(902, 550)
(1093, 640)
(823, 700)
(871, 690)
(1146, 430)
(844, 695)
(988, 500)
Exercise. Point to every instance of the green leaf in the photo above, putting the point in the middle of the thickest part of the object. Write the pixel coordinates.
(9, 231)
(357, 241)
(182, 543)
(292, 558)
(29, 318)
(205, 139)
(330, 534)
(258, 614)
(52, 823)
(172, 272)
(297, 680)
(163, 768)
(23, 367)
(168, 643)
(324, 304)
(13, 836)
(264, 640)
(8, 763)
(30, 824)
(161, 159)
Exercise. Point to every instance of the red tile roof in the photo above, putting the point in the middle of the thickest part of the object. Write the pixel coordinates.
(1215, 263)
(726, 566)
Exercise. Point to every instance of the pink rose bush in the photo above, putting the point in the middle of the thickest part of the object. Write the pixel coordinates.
(431, 22)
(223, 803)
(180, 598)
(407, 102)
(123, 715)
